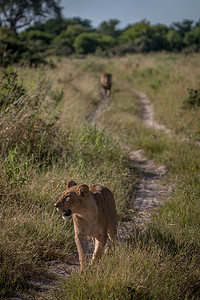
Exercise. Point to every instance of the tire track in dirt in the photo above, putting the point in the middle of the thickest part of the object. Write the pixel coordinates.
(148, 118)
(149, 191)
(148, 114)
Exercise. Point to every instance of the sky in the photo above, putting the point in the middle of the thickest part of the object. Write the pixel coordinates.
(132, 11)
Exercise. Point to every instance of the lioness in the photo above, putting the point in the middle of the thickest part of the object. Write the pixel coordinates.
(94, 214)
(106, 82)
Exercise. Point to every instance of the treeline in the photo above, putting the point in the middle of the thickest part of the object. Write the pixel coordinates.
(64, 37)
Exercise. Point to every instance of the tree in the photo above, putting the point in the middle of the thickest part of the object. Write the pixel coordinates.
(63, 43)
(109, 28)
(89, 42)
(72, 32)
(158, 36)
(182, 27)
(20, 13)
(136, 31)
(192, 38)
(86, 42)
(175, 40)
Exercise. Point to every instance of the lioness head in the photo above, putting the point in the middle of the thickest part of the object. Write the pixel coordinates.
(71, 200)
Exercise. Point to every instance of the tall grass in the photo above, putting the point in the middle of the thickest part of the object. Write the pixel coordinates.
(166, 78)
(160, 263)
(163, 261)
(38, 156)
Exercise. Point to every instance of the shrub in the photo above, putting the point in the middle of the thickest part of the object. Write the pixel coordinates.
(27, 121)
(87, 43)
(193, 99)
(10, 47)
(90, 42)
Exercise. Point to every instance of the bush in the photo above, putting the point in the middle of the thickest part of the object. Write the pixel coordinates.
(193, 99)
(15, 50)
(36, 35)
(27, 121)
(10, 47)
(89, 42)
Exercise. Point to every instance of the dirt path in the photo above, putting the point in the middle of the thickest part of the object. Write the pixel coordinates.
(148, 118)
(149, 191)
(148, 114)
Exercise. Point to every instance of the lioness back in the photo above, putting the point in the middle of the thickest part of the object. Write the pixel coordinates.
(108, 202)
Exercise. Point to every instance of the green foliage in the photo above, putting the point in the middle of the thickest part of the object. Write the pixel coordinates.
(11, 48)
(161, 262)
(86, 43)
(182, 27)
(14, 50)
(22, 124)
(17, 14)
(72, 32)
(36, 41)
(63, 43)
(145, 38)
(35, 35)
(192, 38)
(64, 37)
(89, 147)
(158, 35)
(56, 26)
(175, 40)
(109, 28)
(15, 170)
(90, 42)
(193, 100)
(136, 31)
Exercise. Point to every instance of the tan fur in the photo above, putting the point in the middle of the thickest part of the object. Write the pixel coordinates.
(94, 214)
(106, 83)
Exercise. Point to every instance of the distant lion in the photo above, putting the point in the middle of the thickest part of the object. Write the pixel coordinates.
(106, 83)
(94, 214)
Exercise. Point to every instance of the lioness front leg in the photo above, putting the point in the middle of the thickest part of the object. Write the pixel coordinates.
(82, 247)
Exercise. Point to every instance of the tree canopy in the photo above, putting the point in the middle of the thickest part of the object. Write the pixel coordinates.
(109, 28)
(20, 13)
(63, 37)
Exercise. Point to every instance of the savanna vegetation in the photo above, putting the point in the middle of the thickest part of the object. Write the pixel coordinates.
(33, 30)
(46, 140)
(49, 86)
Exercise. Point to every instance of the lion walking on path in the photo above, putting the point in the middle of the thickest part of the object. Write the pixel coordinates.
(106, 83)
(94, 214)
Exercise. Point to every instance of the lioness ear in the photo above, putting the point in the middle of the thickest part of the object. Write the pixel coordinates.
(82, 190)
(71, 183)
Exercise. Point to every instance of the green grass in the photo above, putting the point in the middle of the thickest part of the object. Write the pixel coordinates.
(159, 263)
